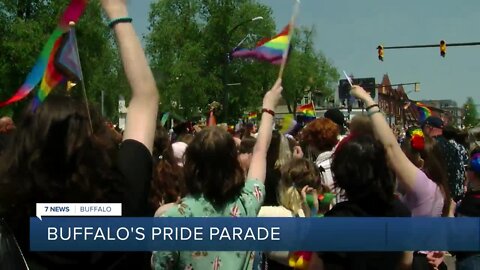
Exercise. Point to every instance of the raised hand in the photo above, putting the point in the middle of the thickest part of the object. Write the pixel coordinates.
(271, 98)
(360, 93)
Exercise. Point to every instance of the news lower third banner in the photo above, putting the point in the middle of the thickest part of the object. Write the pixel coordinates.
(261, 234)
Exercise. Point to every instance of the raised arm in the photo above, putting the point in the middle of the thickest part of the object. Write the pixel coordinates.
(405, 170)
(258, 165)
(143, 107)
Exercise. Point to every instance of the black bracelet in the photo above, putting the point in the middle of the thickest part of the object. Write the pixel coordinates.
(114, 22)
(268, 111)
(371, 106)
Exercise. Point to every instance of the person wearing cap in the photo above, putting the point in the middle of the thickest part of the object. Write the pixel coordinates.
(433, 127)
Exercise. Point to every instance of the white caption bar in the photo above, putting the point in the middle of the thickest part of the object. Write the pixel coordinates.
(78, 209)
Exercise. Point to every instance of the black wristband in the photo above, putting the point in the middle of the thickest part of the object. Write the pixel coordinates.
(114, 22)
(371, 106)
(268, 111)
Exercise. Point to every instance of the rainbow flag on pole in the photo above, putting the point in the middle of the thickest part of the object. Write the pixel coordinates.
(45, 70)
(270, 50)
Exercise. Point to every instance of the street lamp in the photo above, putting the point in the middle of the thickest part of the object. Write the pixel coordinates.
(226, 61)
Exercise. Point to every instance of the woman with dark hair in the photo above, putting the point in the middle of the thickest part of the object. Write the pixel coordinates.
(431, 197)
(360, 169)
(420, 176)
(217, 188)
(168, 183)
(61, 155)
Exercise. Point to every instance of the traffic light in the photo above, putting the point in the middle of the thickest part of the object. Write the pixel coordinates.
(380, 52)
(443, 48)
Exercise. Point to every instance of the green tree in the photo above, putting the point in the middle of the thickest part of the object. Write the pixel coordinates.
(188, 46)
(25, 27)
(308, 70)
(470, 113)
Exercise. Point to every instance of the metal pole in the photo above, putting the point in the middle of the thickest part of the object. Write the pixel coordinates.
(226, 63)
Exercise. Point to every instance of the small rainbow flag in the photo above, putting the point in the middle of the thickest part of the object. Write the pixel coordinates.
(270, 49)
(252, 116)
(423, 111)
(44, 70)
(307, 110)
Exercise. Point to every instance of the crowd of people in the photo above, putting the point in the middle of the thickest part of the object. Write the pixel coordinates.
(63, 153)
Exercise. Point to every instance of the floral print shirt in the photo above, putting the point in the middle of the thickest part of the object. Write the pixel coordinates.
(454, 165)
(246, 205)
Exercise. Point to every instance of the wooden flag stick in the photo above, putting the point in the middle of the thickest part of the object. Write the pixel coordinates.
(72, 29)
(291, 29)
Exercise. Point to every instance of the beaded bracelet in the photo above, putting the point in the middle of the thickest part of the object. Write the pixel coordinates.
(371, 106)
(116, 21)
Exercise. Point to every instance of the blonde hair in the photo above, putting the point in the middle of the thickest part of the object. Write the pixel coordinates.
(295, 175)
(284, 152)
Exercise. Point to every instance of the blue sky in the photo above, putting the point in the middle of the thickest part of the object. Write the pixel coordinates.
(348, 31)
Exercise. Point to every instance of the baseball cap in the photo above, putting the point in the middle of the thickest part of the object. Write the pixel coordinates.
(433, 121)
(336, 116)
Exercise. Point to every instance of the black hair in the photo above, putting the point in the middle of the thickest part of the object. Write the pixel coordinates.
(359, 167)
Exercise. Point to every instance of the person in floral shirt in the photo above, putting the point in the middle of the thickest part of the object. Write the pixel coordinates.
(433, 127)
(217, 188)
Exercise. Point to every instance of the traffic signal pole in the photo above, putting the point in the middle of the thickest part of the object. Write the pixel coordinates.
(442, 46)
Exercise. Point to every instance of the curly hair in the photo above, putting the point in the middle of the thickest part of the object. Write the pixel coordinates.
(212, 168)
(168, 183)
(322, 134)
(359, 167)
(56, 156)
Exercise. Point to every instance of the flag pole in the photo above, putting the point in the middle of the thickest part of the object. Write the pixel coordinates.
(72, 32)
(291, 29)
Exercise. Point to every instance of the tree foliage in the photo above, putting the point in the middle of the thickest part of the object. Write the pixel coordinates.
(189, 44)
(25, 27)
(308, 70)
(471, 114)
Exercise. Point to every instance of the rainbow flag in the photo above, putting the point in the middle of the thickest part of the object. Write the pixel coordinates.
(252, 116)
(307, 110)
(44, 70)
(271, 49)
(423, 111)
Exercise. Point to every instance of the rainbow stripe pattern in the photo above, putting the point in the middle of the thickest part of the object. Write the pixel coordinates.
(44, 69)
(423, 111)
(307, 110)
(270, 50)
